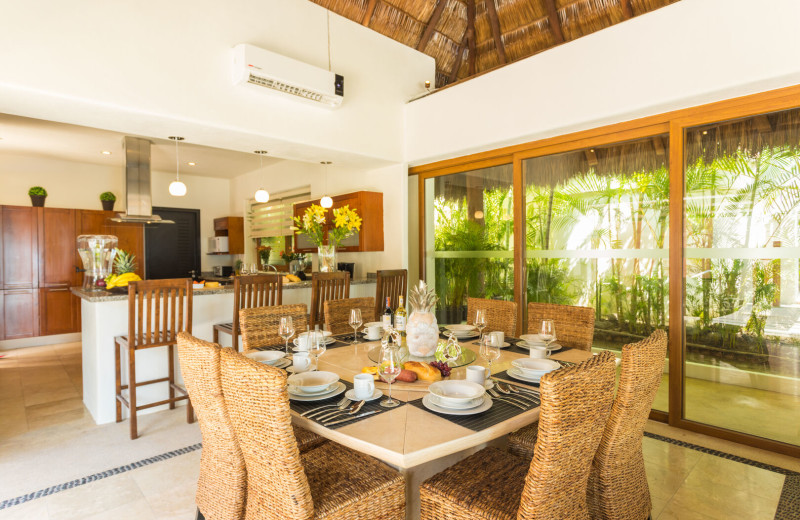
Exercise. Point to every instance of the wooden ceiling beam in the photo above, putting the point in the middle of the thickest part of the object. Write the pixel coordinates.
(430, 28)
(459, 59)
(494, 21)
(555, 23)
(627, 12)
(471, 36)
(368, 13)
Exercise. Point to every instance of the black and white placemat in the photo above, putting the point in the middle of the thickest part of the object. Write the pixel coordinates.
(499, 412)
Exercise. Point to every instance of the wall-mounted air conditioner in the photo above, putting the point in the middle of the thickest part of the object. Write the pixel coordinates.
(271, 72)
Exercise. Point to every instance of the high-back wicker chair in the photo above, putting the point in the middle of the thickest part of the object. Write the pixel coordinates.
(337, 313)
(390, 283)
(324, 287)
(329, 482)
(574, 325)
(495, 484)
(259, 290)
(222, 485)
(501, 315)
(259, 325)
(618, 484)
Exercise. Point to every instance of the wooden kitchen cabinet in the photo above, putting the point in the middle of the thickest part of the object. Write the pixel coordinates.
(368, 205)
(20, 313)
(58, 311)
(233, 228)
(59, 269)
(20, 247)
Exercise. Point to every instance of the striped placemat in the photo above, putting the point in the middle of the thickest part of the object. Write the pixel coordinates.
(371, 406)
(499, 412)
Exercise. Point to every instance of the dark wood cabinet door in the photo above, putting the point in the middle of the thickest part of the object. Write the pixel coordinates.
(20, 247)
(130, 236)
(57, 248)
(21, 313)
(57, 313)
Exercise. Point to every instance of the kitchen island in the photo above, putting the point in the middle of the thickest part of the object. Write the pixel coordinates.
(104, 315)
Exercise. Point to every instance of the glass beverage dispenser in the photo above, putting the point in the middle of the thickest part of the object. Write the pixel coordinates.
(97, 253)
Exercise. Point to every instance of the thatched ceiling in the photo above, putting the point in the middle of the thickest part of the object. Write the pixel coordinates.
(468, 37)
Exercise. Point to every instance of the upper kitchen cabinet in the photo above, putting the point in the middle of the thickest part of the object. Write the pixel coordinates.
(59, 263)
(20, 258)
(233, 228)
(368, 204)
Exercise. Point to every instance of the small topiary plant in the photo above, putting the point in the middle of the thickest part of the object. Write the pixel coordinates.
(38, 190)
(108, 196)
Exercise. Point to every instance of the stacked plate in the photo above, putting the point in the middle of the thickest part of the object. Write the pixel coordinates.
(533, 340)
(531, 370)
(314, 386)
(457, 397)
(270, 357)
(462, 331)
(302, 339)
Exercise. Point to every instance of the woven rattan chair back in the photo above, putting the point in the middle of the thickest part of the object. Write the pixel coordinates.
(500, 314)
(390, 283)
(258, 405)
(157, 311)
(260, 325)
(576, 402)
(222, 484)
(260, 290)
(574, 325)
(618, 484)
(337, 313)
(324, 287)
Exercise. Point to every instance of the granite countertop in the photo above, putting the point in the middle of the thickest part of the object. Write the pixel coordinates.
(106, 296)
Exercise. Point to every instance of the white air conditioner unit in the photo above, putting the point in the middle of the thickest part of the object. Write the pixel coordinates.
(272, 72)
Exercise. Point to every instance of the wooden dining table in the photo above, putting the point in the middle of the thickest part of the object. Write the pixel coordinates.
(415, 441)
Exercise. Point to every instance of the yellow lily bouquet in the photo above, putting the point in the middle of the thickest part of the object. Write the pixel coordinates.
(312, 223)
(345, 223)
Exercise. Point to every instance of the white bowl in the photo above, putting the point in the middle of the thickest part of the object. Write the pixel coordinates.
(268, 357)
(461, 329)
(533, 339)
(310, 382)
(456, 391)
(531, 367)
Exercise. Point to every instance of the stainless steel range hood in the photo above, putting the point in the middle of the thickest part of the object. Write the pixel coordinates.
(138, 199)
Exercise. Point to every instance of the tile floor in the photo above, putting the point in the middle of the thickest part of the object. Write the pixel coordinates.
(42, 420)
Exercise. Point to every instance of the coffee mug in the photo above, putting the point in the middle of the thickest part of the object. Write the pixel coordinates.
(539, 352)
(301, 361)
(374, 330)
(476, 374)
(305, 339)
(498, 338)
(363, 386)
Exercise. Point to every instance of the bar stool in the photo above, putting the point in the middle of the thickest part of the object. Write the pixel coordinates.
(391, 283)
(574, 325)
(500, 314)
(259, 290)
(324, 287)
(157, 311)
(337, 313)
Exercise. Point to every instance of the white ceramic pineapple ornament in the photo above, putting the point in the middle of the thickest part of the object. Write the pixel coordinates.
(422, 331)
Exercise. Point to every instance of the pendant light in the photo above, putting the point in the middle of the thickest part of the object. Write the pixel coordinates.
(176, 187)
(325, 201)
(262, 195)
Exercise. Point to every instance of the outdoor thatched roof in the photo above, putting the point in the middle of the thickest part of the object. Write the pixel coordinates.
(468, 37)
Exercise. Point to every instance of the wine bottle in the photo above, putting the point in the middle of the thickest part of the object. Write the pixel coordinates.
(400, 317)
(388, 315)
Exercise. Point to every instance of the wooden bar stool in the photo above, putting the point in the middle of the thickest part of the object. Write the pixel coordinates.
(157, 311)
(261, 290)
(337, 313)
(391, 283)
(324, 287)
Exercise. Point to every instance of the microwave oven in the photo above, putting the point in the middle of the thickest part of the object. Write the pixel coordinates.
(218, 245)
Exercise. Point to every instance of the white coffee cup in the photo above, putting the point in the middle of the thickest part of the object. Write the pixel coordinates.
(301, 361)
(374, 330)
(363, 386)
(305, 339)
(539, 352)
(476, 374)
(498, 338)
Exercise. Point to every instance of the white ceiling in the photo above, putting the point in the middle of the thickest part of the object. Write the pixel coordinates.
(25, 136)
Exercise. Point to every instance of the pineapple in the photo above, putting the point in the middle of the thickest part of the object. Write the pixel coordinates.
(124, 262)
(422, 331)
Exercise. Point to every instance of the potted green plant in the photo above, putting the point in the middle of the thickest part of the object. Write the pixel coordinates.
(107, 199)
(37, 195)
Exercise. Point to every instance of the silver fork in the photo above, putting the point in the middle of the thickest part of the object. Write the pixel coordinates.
(354, 408)
(341, 405)
(513, 402)
(503, 389)
(517, 390)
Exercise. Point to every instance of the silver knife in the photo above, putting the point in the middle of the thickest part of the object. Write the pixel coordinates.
(350, 418)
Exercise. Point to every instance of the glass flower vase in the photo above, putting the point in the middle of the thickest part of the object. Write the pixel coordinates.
(327, 258)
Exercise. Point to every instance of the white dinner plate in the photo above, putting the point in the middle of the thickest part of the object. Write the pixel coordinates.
(338, 390)
(351, 394)
(552, 348)
(282, 363)
(296, 390)
(328, 341)
(505, 344)
(430, 405)
(463, 336)
(468, 405)
(517, 374)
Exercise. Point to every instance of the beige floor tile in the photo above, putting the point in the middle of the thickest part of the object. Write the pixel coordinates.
(721, 501)
(54, 407)
(96, 497)
(182, 469)
(33, 510)
(51, 395)
(138, 510)
(670, 456)
(673, 512)
(658, 504)
(664, 482)
(749, 479)
(176, 502)
(57, 418)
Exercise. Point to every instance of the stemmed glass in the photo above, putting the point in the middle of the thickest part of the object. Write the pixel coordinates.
(355, 322)
(389, 368)
(489, 351)
(318, 347)
(480, 322)
(286, 330)
(548, 332)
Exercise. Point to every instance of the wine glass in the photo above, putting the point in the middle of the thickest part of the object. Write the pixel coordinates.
(286, 330)
(389, 368)
(548, 332)
(480, 322)
(318, 346)
(355, 322)
(489, 351)
(253, 269)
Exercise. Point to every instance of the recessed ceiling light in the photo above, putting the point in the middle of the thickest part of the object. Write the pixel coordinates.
(191, 164)
(105, 152)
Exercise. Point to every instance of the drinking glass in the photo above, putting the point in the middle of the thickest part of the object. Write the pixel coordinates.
(480, 322)
(317, 347)
(253, 269)
(548, 332)
(355, 322)
(389, 368)
(243, 270)
(489, 352)
(286, 330)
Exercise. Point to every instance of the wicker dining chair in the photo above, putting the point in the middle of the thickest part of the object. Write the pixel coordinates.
(328, 482)
(496, 485)
(259, 325)
(390, 283)
(259, 290)
(337, 313)
(501, 315)
(574, 325)
(324, 287)
(618, 484)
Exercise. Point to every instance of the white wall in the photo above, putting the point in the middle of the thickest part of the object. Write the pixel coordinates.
(688, 53)
(164, 68)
